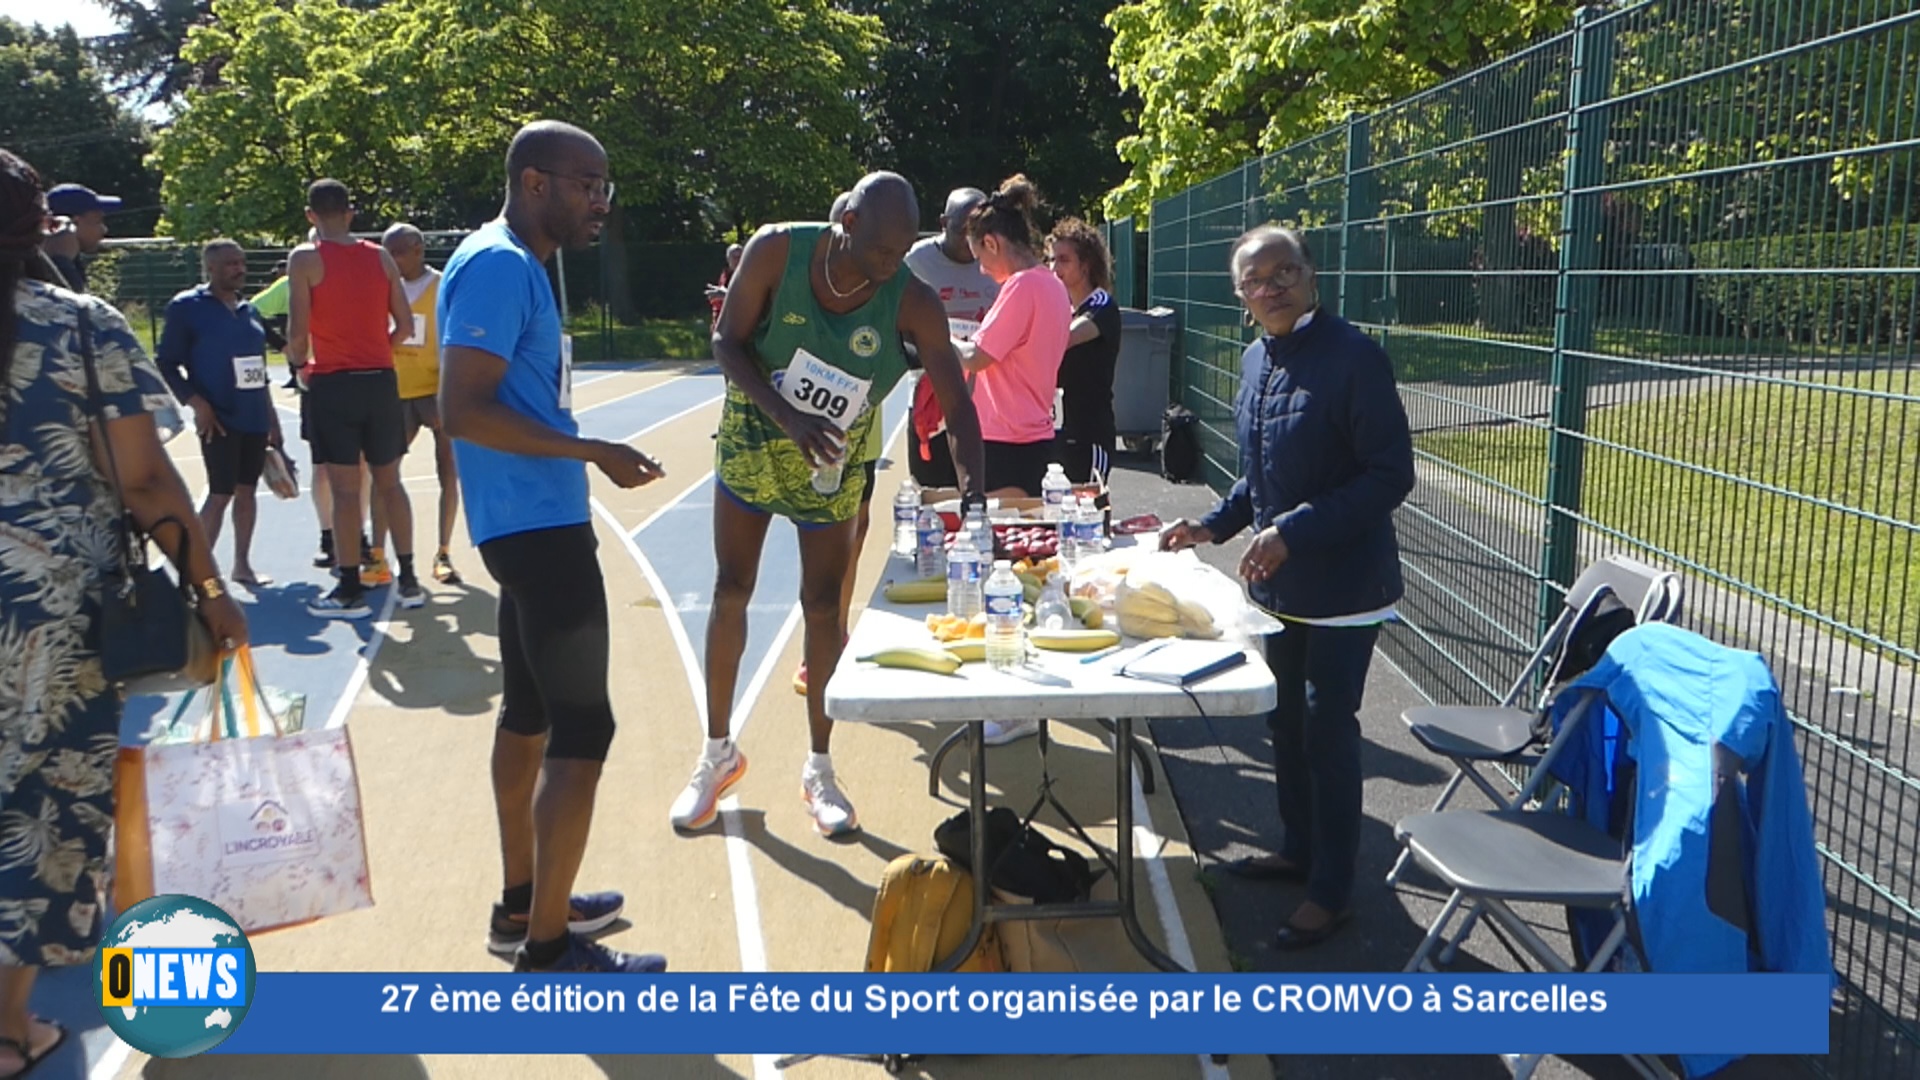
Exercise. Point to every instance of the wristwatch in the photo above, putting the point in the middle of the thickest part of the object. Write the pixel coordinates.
(972, 500)
(211, 589)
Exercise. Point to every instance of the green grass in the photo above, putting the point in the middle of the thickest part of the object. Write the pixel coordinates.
(649, 339)
(1462, 352)
(147, 333)
(1851, 451)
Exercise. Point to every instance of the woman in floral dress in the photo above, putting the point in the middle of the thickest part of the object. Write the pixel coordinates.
(59, 719)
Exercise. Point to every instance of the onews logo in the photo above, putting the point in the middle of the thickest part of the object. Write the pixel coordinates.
(176, 976)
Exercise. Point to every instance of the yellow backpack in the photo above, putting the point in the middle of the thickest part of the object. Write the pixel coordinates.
(921, 914)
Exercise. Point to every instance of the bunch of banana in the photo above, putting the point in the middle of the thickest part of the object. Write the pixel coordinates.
(923, 591)
(937, 661)
(1151, 610)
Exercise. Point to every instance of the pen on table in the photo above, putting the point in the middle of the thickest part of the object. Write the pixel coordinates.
(1101, 655)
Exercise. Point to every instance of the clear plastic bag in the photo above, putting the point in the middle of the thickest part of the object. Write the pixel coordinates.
(1209, 604)
(279, 473)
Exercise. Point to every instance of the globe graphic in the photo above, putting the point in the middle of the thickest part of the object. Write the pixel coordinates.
(176, 922)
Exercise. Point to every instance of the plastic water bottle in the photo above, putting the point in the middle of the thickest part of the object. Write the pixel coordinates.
(826, 478)
(827, 475)
(1053, 612)
(976, 522)
(1068, 548)
(1055, 490)
(1006, 637)
(1088, 541)
(930, 561)
(906, 519)
(963, 577)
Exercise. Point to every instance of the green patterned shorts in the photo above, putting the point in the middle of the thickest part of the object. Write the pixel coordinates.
(756, 462)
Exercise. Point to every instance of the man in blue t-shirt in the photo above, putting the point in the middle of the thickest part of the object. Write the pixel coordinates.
(506, 398)
(213, 353)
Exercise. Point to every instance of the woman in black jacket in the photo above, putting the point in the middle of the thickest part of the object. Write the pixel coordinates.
(1325, 457)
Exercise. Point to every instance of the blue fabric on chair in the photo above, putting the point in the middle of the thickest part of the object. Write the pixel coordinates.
(1725, 874)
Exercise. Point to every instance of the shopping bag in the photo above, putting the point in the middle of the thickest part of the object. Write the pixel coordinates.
(264, 823)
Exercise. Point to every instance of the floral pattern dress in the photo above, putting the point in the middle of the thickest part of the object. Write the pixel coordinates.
(59, 720)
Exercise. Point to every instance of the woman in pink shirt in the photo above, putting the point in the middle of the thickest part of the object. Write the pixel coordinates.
(1015, 356)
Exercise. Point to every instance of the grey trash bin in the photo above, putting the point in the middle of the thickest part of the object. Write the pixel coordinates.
(1142, 374)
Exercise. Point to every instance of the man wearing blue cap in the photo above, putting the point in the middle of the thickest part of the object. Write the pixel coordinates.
(82, 231)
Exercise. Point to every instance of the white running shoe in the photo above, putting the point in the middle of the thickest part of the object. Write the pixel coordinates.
(699, 804)
(1002, 732)
(832, 814)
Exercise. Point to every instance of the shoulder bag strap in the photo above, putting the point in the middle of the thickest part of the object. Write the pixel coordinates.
(131, 536)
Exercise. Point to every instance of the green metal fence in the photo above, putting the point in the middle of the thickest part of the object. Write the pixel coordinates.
(1650, 286)
(1128, 262)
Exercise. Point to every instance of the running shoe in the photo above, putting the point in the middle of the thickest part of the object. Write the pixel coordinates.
(583, 955)
(1002, 732)
(699, 804)
(832, 813)
(323, 559)
(443, 571)
(590, 913)
(411, 594)
(340, 604)
(376, 572)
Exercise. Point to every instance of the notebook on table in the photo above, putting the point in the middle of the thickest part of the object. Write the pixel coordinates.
(1183, 661)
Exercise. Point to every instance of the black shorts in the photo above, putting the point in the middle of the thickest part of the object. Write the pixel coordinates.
(872, 470)
(554, 640)
(1018, 465)
(234, 460)
(356, 414)
(1076, 456)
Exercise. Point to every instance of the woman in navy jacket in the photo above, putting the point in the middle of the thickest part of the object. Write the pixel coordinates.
(1325, 457)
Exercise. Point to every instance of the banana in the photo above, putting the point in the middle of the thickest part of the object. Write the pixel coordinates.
(1031, 592)
(1155, 603)
(923, 591)
(1197, 621)
(1073, 640)
(969, 652)
(1087, 612)
(937, 661)
(1140, 626)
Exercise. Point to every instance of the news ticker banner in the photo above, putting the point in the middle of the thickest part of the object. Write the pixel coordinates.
(423, 1013)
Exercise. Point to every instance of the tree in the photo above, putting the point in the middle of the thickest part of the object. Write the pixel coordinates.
(970, 92)
(145, 58)
(1227, 80)
(56, 113)
(748, 107)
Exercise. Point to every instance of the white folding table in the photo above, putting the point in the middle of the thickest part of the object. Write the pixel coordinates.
(1053, 686)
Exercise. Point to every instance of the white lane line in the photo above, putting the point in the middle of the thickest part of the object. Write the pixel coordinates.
(658, 424)
(382, 623)
(746, 904)
(108, 1065)
(693, 489)
(1151, 847)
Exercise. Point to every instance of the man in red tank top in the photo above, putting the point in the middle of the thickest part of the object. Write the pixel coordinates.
(346, 310)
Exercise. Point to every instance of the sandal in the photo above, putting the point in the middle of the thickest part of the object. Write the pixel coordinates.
(28, 1058)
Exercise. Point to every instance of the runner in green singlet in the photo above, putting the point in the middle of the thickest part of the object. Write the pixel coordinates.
(810, 339)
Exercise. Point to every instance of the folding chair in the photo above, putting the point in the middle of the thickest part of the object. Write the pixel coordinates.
(1492, 859)
(1507, 735)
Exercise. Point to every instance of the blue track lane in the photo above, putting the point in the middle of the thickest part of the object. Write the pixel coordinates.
(679, 544)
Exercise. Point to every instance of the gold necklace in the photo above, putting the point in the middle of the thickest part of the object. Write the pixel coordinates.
(826, 270)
